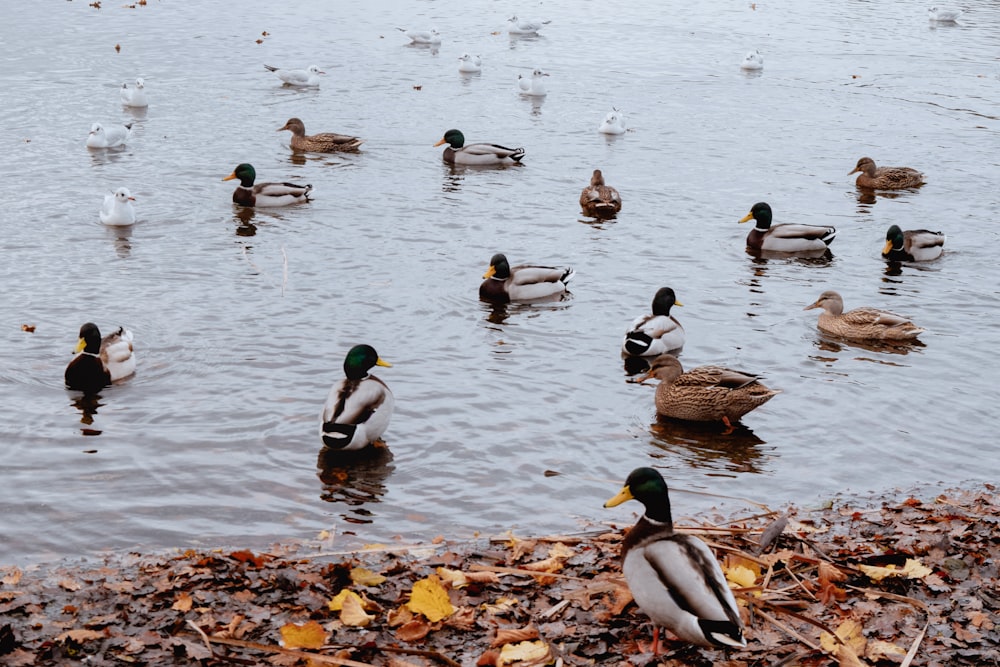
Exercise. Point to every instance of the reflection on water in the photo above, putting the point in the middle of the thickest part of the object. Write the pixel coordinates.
(499, 313)
(829, 344)
(244, 217)
(122, 236)
(355, 479)
(87, 404)
(713, 445)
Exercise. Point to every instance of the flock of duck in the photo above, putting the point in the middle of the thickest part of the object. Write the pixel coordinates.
(674, 578)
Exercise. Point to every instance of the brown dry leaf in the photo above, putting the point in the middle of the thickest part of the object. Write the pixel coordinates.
(80, 635)
(413, 631)
(429, 598)
(846, 657)
(503, 605)
(525, 654)
(307, 635)
(912, 569)
(488, 659)
(397, 617)
(118, 48)
(560, 550)
(362, 576)
(519, 548)
(30, 328)
(881, 650)
(70, 585)
(463, 619)
(512, 635)
(353, 613)
(849, 633)
(183, 602)
(11, 576)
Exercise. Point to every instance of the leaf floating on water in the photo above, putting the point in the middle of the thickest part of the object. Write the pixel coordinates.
(306, 635)
(417, 87)
(118, 48)
(30, 328)
(429, 598)
(95, 5)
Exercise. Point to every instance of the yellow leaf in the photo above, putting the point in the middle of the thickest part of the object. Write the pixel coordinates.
(307, 635)
(353, 613)
(525, 654)
(560, 550)
(740, 576)
(337, 602)
(503, 605)
(362, 576)
(429, 598)
(455, 578)
(849, 633)
(912, 569)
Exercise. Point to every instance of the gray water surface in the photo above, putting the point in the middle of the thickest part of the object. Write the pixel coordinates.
(242, 317)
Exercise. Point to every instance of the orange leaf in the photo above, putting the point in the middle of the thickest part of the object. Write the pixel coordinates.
(307, 635)
(512, 635)
(414, 630)
(80, 635)
(183, 602)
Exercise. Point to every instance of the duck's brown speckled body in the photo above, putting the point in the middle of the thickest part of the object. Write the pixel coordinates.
(863, 323)
(598, 199)
(325, 142)
(885, 178)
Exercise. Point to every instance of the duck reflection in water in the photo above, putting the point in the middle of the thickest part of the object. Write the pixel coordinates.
(355, 478)
(828, 344)
(499, 313)
(244, 221)
(87, 404)
(711, 445)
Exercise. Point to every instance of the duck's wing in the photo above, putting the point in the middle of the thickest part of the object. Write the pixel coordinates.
(923, 238)
(354, 402)
(116, 347)
(529, 275)
(796, 231)
(280, 189)
(492, 149)
(716, 376)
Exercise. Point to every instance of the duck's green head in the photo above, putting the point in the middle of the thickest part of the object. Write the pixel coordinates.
(664, 300)
(893, 239)
(245, 172)
(360, 359)
(453, 138)
(761, 212)
(647, 486)
(90, 339)
(499, 268)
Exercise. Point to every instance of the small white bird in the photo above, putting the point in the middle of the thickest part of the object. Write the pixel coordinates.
(516, 26)
(117, 210)
(535, 86)
(110, 137)
(752, 61)
(614, 123)
(431, 36)
(135, 97)
(470, 64)
(944, 14)
(297, 77)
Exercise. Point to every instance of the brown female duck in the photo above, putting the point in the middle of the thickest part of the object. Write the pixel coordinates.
(324, 142)
(599, 200)
(863, 323)
(885, 178)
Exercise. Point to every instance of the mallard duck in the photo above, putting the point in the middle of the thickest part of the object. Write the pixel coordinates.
(265, 194)
(108, 137)
(503, 284)
(885, 178)
(516, 26)
(706, 393)
(675, 578)
(431, 36)
(325, 142)
(752, 61)
(358, 409)
(100, 361)
(533, 87)
(913, 245)
(477, 154)
(785, 237)
(135, 97)
(470, 64)
(614, 123)
(298, 77)
(657, 333)
(944, 14)
(863, 323)
(117, 210)
(599, 200)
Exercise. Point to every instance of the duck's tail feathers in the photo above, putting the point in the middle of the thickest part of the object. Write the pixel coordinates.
(269, 68)
(517, 154)
(566, 277)
(338, 436)
(722, 633)
(637, 342)
(829, 236)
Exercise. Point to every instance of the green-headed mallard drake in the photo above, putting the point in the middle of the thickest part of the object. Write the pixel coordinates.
(706, 393)
(913, 245)
(785, 237)
(675, 579)
(657, 333)
(863, 323)
(502, 283)
(100, 361)
(476, 154)
(358, 409)
(599, 200)
(265, 194)
(325, 142)
(885, 178)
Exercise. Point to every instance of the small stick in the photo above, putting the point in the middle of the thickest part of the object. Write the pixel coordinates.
(518, 570)
(204, 637)
(913, 649)
(307, 655)
(784, 628)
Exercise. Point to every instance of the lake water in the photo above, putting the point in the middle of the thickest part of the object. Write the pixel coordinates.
(242, 317)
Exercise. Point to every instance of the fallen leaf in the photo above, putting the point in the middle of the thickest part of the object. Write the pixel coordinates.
(512, 635)
(414, 630)
(849, 633)
(525, 654)
(362, 576)
(70, 585)
(336, 603)
(353, 613)
(429, 598)
(80, 635)
(118, 48)
(307, 635)
(30, 328)
(882, 650)
(183, 602)
(912, 569)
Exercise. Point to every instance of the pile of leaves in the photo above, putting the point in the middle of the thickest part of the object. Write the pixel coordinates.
(857, 583)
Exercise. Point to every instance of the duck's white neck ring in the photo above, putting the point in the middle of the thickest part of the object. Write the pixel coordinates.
(654, 521)
(762, 230)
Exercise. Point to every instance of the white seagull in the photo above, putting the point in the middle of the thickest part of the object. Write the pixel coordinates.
(516, 26)
(470, 64)
(431, 36)
(110, 137)
(752, 61)
(944, 14)
(135, 97)
(298, 77)
(535, 86)
(614, 123)
(117, 210)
